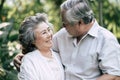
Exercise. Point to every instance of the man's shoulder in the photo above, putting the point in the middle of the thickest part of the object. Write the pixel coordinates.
(60, 33)
(106, 33)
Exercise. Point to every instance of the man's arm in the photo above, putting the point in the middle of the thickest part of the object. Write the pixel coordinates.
(17, 61)
(108, 77)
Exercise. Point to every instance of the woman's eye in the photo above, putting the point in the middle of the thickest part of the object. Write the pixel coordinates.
(44, 32)
(49, 29)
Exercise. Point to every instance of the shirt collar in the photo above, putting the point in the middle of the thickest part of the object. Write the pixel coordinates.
(94, 29)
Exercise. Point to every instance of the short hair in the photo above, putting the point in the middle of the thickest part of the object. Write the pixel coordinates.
(26, 31)
(76, 10)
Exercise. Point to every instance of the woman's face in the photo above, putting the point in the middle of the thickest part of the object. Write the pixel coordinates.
(43, 36)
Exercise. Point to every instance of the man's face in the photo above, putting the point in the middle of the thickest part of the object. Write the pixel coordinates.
(66, 25)
(76, 30)
(71, 29)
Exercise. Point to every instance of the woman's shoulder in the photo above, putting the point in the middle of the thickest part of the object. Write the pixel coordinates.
(31, 56)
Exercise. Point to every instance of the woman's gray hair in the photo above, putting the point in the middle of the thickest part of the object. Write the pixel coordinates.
(76, 10)
(26, 31)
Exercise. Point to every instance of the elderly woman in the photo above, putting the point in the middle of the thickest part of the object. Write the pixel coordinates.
(40, 62)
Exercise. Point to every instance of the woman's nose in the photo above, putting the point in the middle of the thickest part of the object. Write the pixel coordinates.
(49, 33)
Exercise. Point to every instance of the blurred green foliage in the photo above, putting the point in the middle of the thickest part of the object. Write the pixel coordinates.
(12, 13)
(110, 14)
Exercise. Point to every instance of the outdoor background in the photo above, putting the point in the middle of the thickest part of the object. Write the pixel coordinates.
(12, 13)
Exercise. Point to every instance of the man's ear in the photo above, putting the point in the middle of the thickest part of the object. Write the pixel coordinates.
(80, 22)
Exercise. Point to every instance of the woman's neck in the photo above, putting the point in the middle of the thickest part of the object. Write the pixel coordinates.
(46, 53)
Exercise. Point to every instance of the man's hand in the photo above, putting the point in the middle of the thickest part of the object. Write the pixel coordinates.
(108, 77)
(117, 78)
(17, 61)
